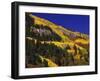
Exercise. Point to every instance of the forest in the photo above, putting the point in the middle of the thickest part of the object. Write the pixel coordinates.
(53, 46)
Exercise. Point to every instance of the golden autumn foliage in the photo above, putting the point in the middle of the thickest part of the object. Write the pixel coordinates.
(49, 62)
(82, 41)
(71, 50)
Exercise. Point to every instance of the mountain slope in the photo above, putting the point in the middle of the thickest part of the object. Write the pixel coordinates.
(61, 31)
(56, 44)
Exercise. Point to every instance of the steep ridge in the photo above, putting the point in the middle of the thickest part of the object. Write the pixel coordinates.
(57, 45)
(58, 29)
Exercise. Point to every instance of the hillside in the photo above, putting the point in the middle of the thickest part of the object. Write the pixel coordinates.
(51, 45)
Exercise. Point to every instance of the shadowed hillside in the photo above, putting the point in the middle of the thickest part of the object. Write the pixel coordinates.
(51, 45)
